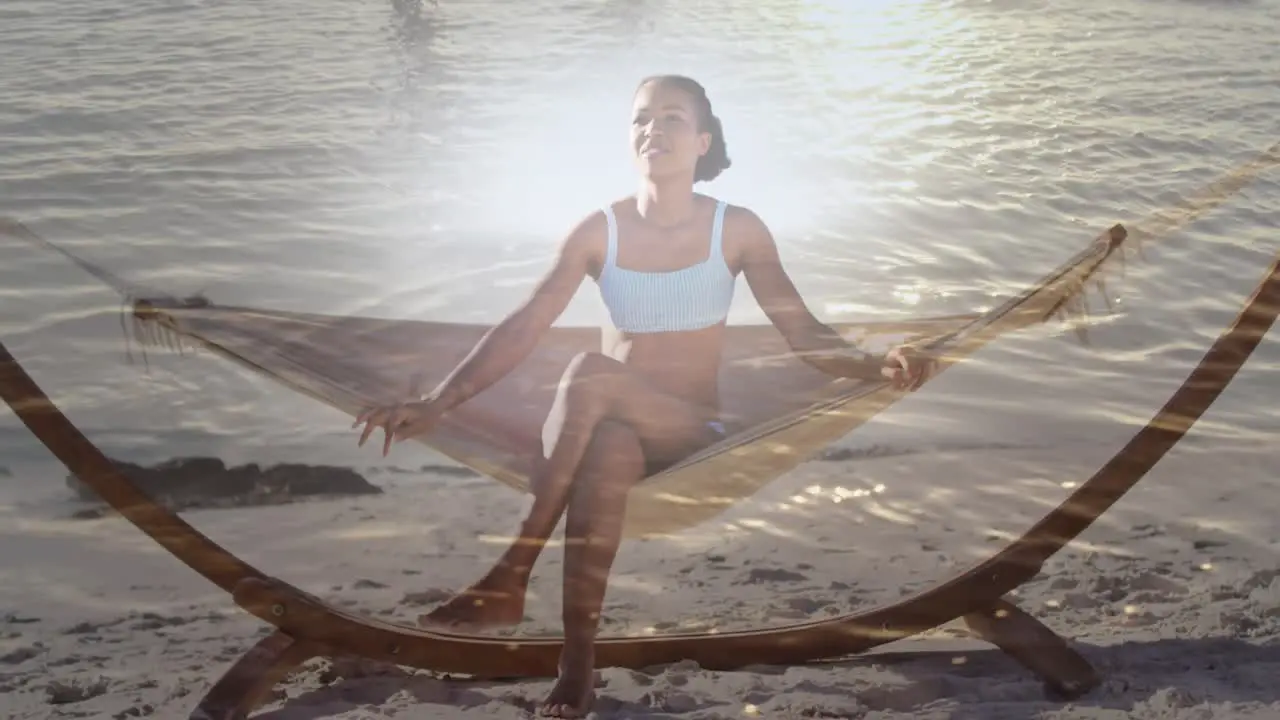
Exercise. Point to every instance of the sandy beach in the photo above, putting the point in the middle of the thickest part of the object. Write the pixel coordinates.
(1173, 595)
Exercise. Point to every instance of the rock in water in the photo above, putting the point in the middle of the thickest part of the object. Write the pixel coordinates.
(193, 482)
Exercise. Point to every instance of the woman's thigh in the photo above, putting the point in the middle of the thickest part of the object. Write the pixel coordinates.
(668, 427)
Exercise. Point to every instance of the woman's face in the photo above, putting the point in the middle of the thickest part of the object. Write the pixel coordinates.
(665, 140)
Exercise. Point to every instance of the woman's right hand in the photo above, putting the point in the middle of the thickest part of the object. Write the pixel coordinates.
(908, 368)
(398, 421)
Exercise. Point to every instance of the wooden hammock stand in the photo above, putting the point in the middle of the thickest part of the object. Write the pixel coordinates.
(307, 627)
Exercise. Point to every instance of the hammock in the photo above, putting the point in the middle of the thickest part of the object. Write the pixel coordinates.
(787, 410)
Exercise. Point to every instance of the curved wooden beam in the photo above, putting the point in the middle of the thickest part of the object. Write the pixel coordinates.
(315, 626)
(1065, 672)
(249, 681)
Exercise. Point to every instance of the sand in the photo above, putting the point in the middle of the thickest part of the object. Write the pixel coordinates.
(1174, 595)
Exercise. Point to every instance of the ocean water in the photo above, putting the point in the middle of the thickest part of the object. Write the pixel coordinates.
(421, 160)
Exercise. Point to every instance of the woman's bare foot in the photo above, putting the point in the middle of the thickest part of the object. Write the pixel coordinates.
(486, 605)
(574, 691)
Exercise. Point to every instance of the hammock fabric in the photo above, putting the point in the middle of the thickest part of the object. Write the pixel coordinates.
(787, 410)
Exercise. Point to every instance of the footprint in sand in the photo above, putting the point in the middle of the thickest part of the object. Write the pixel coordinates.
(15, 619)
(1140, 618)
(20, 655)
(1240, 623)
(1142, 587)
(354, 668)
(755, 576)
(808, 606)
(1079, 601)
(61, 693)
(670, 701)
(1110, 588)
(906, 697)
(1154, 587)
(1064, 583)
(95, 660)
(1261, 579)
(151, 621)
(89, 628)
(1146, 530)
(426, 598)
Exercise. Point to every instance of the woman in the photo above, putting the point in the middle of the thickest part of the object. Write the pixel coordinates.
(666, 260)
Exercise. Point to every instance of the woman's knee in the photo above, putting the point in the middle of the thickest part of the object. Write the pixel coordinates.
(578, 395)
(585, 384)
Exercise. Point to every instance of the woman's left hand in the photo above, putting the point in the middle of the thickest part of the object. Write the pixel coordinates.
(908, 368)
(398, 421)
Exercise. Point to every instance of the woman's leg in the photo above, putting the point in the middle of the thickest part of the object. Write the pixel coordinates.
(594, 388)
(613, 464)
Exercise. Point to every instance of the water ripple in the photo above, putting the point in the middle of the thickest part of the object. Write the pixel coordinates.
(419, 159)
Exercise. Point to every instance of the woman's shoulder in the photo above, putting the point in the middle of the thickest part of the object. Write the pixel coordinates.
(744, 222)
(587, 238)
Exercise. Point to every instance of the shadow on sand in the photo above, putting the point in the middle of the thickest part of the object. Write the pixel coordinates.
(1145, 677)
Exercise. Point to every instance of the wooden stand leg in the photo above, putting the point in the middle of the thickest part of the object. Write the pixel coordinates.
(246, 684)
(1066, 673)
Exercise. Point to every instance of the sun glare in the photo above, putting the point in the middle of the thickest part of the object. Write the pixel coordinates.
(820, 126)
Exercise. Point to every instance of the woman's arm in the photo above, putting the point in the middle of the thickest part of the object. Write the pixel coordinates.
(510, 341)
(813, 341)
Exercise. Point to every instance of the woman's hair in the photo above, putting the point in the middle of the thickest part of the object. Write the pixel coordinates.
(716, 160)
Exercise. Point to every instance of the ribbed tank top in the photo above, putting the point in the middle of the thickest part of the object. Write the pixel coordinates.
(690, 298)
